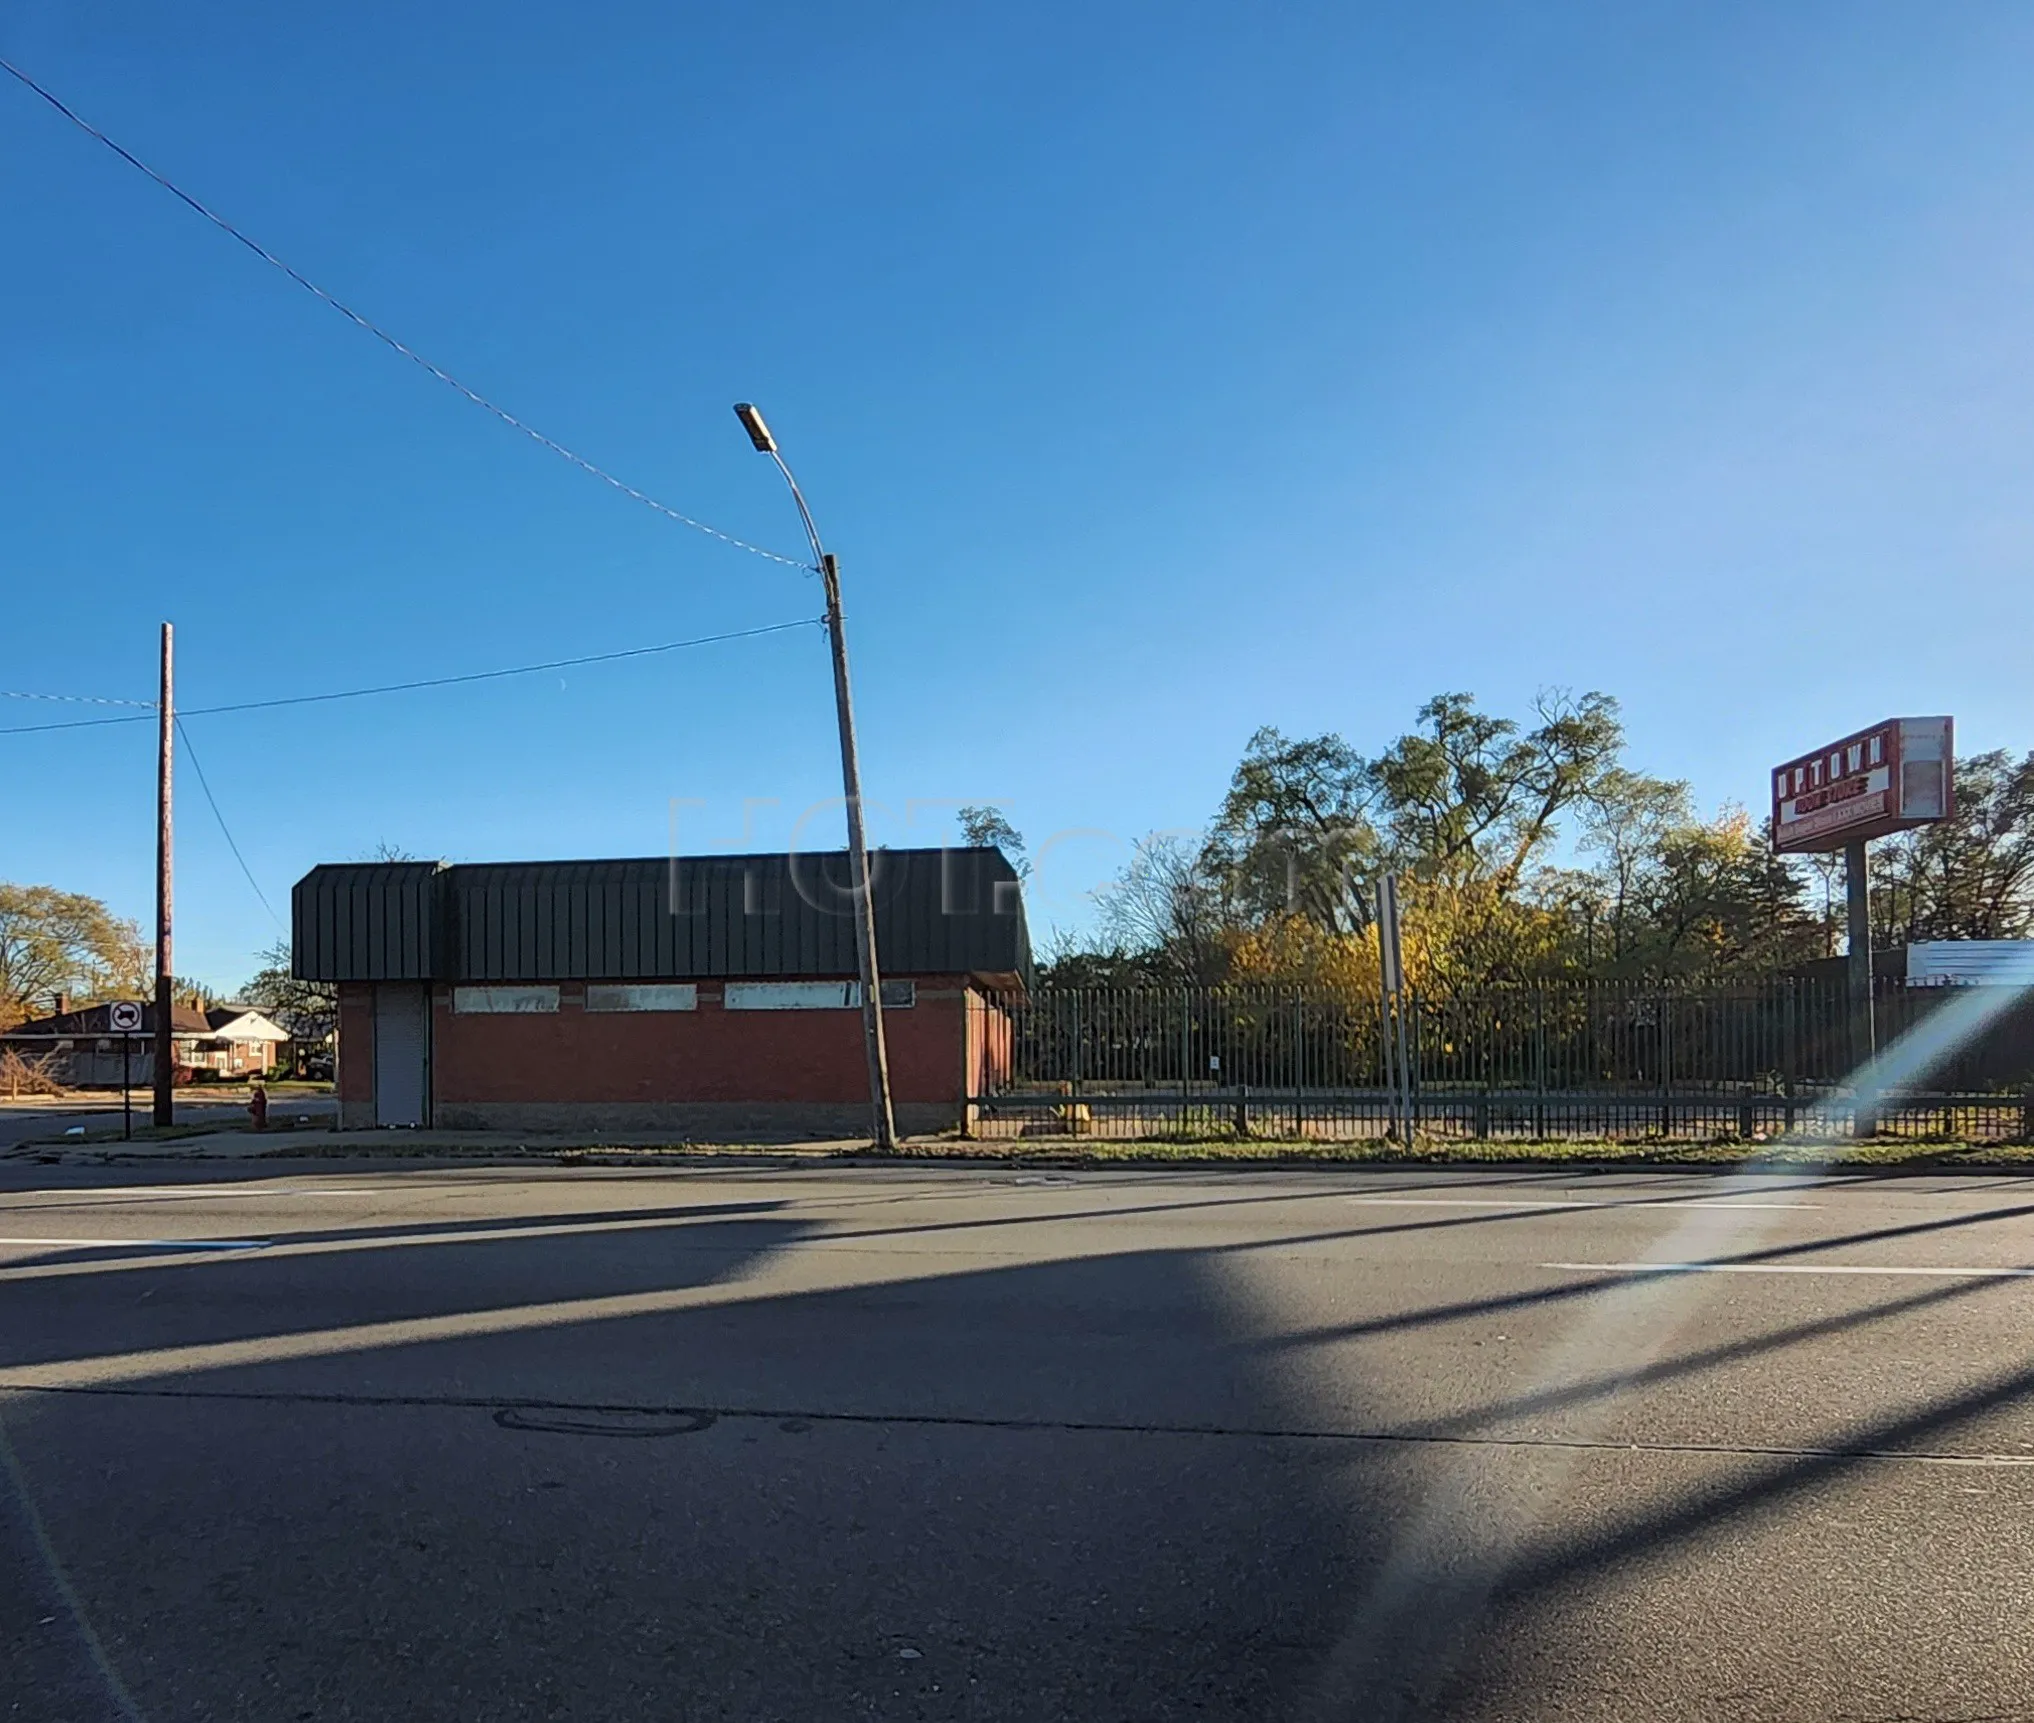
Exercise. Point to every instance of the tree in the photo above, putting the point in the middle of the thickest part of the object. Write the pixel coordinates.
(193, 994)
(1967, 877)
(1477, 799)
(1166, 911)
(1466, 806)
(1711, 900)
(1630, 819)
(55, 942)
(1469, 809)
(306, 1010)
(1294, 835)
(985, 827)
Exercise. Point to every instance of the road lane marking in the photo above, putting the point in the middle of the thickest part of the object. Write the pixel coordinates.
(1577, 1202)
(1788, 1268)
(84, 1196)
(139, 1243)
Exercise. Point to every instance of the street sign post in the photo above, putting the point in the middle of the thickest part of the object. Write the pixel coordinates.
(1391, 1021)
(1896, 775)
(123, 1017)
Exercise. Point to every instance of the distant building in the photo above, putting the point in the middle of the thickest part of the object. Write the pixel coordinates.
(1970, 963)
(84, 1051)
(1936, 963)
(701, 996)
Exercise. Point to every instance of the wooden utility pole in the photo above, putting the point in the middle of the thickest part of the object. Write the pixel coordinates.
(165, 1046)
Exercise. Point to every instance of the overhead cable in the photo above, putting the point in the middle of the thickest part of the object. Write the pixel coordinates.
(382, 335)
(224, 830)
(424, 682)
(74, 699)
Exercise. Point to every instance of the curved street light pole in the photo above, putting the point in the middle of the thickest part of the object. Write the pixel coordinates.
(883, 1119)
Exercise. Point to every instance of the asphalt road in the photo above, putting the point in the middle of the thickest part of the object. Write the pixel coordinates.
(916, 1444)
(100, 1115)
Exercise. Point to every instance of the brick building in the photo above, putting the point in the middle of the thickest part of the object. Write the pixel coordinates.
(704, 996)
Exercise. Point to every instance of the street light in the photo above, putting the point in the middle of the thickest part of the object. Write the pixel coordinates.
(884, 1120)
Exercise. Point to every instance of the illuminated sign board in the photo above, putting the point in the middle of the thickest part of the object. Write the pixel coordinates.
(1888, 778)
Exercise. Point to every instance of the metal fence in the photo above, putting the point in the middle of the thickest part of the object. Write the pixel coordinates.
(1586, 1059)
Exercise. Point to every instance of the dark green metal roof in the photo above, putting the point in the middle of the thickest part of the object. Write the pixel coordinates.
(938, 912)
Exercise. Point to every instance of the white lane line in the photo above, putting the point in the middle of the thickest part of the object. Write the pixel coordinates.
(138, 1243)
(1788, 1268)
(87, 1194)
(1638, 1203)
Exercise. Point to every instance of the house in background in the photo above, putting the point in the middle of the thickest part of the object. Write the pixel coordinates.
(222, 1042)
(711, 996)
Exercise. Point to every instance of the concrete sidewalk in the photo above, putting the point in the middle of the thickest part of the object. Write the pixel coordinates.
(238, 1142)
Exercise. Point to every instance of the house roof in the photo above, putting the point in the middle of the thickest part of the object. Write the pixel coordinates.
(185, 1020)
(243, 1023)
(938, 912)
(95, 1020)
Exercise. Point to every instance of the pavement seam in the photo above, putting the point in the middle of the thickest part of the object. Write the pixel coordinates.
(1076, 1426)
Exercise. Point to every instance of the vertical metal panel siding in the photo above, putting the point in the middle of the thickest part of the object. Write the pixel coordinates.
(365, 923)
(935, 914)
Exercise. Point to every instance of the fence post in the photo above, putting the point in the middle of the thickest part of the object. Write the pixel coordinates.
(1789, 1056)
(1540, 1064)
(1076, 1002)
(1299, 1066)
(1242, 1110)
(1666, 1064)
(1412, 1070)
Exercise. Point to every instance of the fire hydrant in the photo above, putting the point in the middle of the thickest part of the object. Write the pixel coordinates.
(257, 1107)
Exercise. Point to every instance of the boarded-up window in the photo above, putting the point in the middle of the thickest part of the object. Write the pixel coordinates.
(662, 996)
(788, 995)
(509, 1001)
(813, 995)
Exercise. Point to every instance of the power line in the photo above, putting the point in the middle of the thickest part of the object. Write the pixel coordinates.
(383, 336)
(424, 682)
(74, 699)
(224, 831)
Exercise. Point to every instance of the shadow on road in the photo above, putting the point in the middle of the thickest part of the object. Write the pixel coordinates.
(1095, 1487)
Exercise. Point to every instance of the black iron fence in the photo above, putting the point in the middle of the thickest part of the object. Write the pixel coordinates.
(1587, 1059)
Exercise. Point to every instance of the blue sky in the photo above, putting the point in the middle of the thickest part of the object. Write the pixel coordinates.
(1157, 371)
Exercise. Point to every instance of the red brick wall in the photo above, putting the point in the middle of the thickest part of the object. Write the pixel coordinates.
(708, 1054)
(356, 1042)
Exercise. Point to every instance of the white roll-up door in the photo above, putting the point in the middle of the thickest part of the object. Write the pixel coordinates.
(401, 1047)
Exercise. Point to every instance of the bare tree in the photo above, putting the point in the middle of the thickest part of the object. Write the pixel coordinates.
(1166, 908)
(306, 1010)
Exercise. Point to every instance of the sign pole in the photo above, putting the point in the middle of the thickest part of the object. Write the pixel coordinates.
(123, 1017)
(1863, 1028)
(1391, 971)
